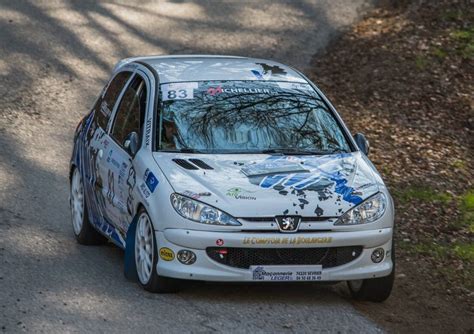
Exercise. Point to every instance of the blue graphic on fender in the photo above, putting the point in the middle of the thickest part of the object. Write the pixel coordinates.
(150, 180)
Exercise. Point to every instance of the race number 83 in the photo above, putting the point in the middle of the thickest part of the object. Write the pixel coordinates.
(177, 94)
(178, 91)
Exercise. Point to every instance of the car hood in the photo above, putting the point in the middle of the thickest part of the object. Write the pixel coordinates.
(265, 185)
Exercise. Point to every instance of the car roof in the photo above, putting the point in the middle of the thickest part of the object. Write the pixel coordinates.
(209, 67)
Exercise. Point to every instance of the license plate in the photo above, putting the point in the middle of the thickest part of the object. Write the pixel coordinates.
(286, 273)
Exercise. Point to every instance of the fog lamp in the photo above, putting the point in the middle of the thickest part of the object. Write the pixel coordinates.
(186, 257)
(377, 255)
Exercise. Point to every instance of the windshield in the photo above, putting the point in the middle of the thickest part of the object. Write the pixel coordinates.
(246, 117)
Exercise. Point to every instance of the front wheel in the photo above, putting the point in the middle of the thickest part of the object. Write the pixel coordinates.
(374, 289)
(146, 258)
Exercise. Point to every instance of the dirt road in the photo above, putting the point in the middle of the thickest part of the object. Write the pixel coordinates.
(55, 57)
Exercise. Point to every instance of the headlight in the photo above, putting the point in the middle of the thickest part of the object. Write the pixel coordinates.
(200, 212)
(368, 211)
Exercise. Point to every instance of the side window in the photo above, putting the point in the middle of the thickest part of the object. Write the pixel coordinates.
(106, 102)
(131, 111)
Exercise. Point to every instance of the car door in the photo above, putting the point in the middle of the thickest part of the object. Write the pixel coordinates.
(117, 166)
(96, 142)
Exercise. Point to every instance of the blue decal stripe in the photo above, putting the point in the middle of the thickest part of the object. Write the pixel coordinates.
(293, 179)
(303, 185)
(271, 181)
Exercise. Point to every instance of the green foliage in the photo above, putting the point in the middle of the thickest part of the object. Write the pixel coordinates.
(465, 251)
(459, 164)
(468, 201)
(467, 210)
(452, 15)
(431, 249)
(465, 38)
(467, 34)
(462, 251)
(421, 62)
(422, 193)
(439, 53)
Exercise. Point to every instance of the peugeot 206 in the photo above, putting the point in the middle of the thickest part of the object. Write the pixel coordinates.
(229, 169)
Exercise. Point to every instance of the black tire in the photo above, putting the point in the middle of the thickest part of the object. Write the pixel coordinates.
(87, 235)
(156, 283)
(374, 289)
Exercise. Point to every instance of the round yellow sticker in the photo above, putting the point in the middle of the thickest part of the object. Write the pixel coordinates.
(166, 254)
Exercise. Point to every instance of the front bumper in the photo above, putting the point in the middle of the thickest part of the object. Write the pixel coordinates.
(207, 269)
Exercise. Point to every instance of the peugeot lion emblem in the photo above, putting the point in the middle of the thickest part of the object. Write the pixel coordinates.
(288, 223)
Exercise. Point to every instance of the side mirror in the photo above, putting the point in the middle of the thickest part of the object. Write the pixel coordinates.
(362, 142)
(131, 143)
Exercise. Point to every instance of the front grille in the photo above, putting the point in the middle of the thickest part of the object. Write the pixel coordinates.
(328, 257)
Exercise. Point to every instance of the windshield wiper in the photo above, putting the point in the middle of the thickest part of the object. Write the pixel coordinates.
(281, 151)
(183, 150)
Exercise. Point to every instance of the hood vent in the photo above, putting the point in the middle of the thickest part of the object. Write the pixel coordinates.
(200, 164)
(185, 164)
(195, 165)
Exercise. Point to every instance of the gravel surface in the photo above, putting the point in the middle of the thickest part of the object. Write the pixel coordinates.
(54, 58)
(404, 76)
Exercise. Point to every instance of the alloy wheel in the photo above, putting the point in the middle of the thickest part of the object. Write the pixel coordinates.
(144, 248)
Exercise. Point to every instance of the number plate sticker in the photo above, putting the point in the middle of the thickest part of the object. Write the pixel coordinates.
(286, 273)
(178, 91)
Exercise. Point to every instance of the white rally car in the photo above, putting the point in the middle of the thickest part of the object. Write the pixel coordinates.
(220, 168)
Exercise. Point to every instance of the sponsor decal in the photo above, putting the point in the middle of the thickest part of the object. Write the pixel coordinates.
(240, 193)
(213, 91)
(112, 160)
(131, 180)
(104, 109)
(277, 273)
(258, 274)
(150, 180)
(220, 242)
(148, 131)
(286, 240)
(122, 171)
(144, 190)
(166, 254)
(178, 91)
(288, 223)
(110, 187)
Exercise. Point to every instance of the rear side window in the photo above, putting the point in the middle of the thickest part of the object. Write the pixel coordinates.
(131, 111)
(106, 102)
